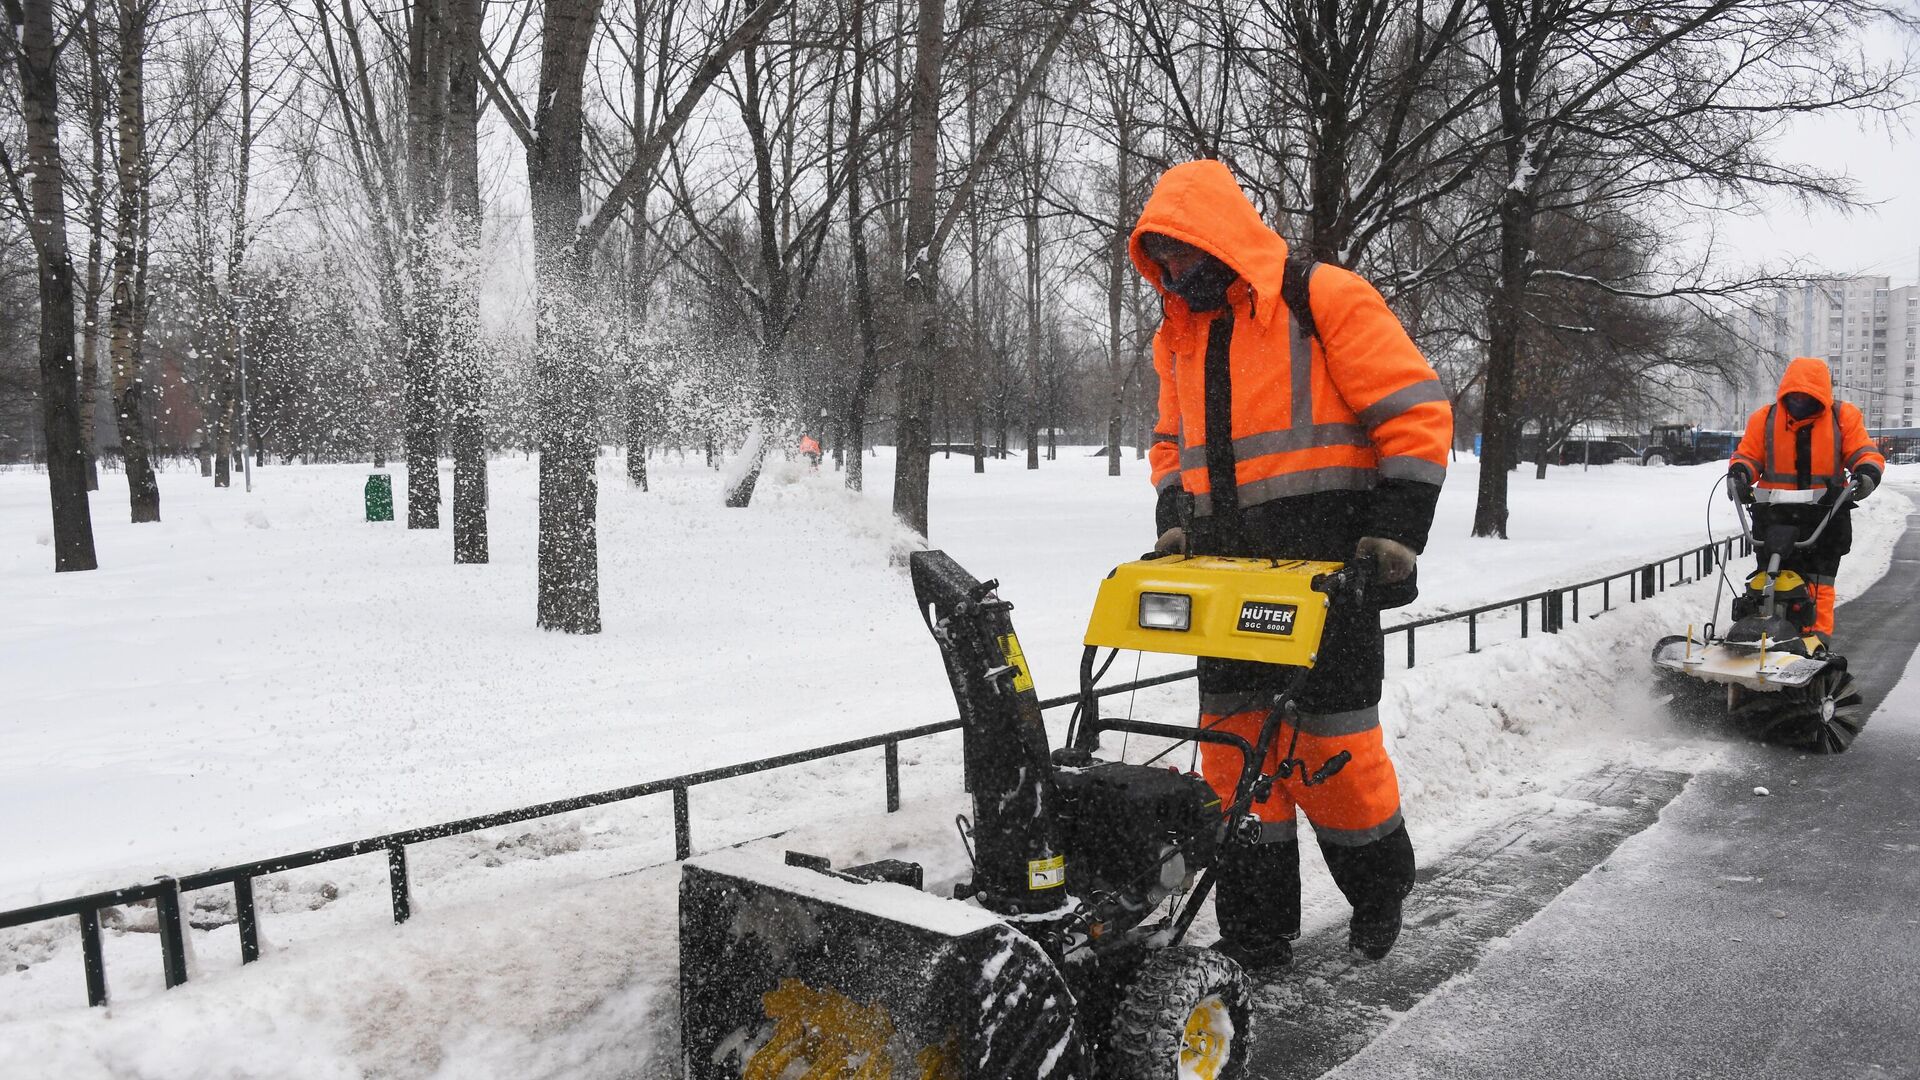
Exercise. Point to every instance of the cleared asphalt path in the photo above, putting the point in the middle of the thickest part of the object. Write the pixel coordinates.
(1741, 936)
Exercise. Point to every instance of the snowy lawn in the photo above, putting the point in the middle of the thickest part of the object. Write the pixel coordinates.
(263, 673)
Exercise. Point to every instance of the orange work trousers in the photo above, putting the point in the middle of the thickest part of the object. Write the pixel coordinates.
(1357, 805)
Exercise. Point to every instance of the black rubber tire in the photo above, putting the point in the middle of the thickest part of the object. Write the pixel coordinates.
(1654, 460)
(1150, 1024)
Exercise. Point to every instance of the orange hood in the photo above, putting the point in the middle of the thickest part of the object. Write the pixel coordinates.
(1807, 375)
(1200, 203)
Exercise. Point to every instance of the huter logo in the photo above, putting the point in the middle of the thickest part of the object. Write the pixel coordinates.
(1262, 617)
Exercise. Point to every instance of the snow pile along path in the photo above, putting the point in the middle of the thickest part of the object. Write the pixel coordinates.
(224, 692)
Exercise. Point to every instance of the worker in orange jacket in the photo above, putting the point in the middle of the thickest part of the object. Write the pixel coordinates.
(1801, 451)
(1297, 420)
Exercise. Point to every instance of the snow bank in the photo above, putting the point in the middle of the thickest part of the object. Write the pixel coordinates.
(221, 692)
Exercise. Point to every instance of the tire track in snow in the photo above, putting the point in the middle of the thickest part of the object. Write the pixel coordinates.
(1330, 1006)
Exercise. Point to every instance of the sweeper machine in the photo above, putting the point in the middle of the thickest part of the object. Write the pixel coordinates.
(1063, 954)
(1769, 676)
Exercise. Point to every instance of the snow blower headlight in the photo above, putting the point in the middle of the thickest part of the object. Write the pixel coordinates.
(1166, 611)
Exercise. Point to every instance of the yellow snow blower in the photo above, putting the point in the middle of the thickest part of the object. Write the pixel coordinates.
(1769, 676)
(1063, 954)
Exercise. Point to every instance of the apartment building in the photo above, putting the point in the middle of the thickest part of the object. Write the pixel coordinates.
(1867, 331)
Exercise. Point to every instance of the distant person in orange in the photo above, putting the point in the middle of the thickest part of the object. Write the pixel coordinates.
(810, 449)
(1803, 450)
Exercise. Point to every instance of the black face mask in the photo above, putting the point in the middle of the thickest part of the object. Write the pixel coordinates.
(1204, 287)
(1802, 406)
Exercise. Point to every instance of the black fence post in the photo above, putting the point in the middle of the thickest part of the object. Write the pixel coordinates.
(1606, 595)
(1473, 633)
(1576, 605)
(173, 942)
(1523, 618)
(893, 777)
(682, 825)
(249, 925)
(397, 882)
(93, 957)
(1646, 582)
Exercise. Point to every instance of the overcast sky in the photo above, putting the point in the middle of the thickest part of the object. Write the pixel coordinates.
(1884, 239)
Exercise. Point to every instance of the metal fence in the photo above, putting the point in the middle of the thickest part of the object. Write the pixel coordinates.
(1556, 607)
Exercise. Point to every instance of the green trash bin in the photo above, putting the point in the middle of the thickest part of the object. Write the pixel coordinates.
(380, 497)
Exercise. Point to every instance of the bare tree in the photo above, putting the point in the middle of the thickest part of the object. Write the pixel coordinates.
(40, 200)
(564, 238)
(463, 367)
(426, 128)
(95, 105)
(129, 315)
(1678, 98)
(927, 231)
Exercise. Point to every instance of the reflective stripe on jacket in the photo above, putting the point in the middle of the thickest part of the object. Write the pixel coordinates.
(1339, 411)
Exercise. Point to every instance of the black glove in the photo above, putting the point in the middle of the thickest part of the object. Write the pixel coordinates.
(1741, 482)
(1864, 481)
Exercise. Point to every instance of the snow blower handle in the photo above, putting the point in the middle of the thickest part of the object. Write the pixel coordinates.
(1353, 583)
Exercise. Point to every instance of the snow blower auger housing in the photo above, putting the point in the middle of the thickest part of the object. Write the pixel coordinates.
(1061, 955)
(1769, 675)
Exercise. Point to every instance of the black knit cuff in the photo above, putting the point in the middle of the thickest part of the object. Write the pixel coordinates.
(1403, 512)
(1172, 509)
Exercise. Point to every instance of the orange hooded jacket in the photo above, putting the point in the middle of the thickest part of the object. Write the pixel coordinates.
(1341, 411)
(1783, 455)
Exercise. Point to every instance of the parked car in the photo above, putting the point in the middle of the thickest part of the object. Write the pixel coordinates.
(1905, 457)
(1592, 452)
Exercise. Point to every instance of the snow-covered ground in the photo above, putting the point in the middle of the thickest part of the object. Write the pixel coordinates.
(265, 672)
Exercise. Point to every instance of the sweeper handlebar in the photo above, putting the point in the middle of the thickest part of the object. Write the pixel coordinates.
(1848, 495)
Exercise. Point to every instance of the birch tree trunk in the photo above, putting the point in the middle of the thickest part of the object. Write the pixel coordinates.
(92, 341)
(1030, 213)
(128, 317)
(867, 375)
(1119, 268)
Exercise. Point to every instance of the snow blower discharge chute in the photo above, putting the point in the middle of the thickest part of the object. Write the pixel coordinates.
(1063, 954)
(1769, 676)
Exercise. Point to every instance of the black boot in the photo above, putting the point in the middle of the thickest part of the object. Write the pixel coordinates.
(1375, 878)
(1257, 900)
(1371, 934)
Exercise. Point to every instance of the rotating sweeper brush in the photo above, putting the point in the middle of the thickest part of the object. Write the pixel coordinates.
(1769, 676)
(1062, 954)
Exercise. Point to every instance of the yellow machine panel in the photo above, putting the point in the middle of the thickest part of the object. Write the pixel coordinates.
(1234, 609)
(1786, 582)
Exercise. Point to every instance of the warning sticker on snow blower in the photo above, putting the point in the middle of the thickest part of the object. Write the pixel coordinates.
(1046, 873)
(1017, 660)
(1266, 617)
